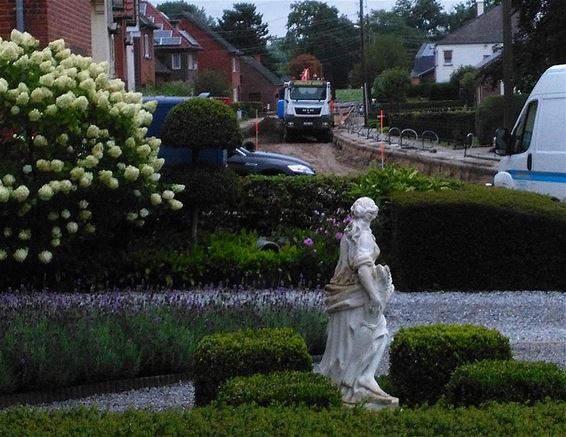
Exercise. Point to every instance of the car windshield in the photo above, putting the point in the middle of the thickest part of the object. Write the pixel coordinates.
(308, 93)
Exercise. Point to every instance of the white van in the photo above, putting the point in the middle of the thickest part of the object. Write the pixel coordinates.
(534, 154)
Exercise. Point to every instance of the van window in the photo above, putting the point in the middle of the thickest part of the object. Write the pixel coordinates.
(552, 125)
(524, 131)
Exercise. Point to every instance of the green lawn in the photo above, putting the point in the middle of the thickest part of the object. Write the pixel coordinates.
(349, 95)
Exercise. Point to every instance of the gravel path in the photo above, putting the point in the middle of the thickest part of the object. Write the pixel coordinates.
(535, 322)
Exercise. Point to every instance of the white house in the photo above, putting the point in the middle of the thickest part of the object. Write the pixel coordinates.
(471, 44)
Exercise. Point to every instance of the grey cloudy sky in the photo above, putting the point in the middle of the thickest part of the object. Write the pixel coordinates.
(275, 11)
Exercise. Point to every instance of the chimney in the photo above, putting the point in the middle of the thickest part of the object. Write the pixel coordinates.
(479, 4)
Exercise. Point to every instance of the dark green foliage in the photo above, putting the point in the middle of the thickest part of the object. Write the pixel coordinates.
(506, 381)
(391, 85)
(222, 356)
(479, 239)
(244, 28)
(449, 126)
(271, 202)
(213, 82)
(201, 124)
(170, 88)
(280, 388)
(489, 115)
(443, 91)
(424, 357)
(247, 420)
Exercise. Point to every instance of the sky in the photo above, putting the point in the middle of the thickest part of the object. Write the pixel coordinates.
(275, 11)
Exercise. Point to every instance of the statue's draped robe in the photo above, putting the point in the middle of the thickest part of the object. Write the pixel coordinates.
(355, 335)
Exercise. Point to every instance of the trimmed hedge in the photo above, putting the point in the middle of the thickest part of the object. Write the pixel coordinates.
(241, 353)
(280, 388)
(506, 381)
(423, 358)
(479, 239)
(247, 420)
(489, 115)
(451, 126)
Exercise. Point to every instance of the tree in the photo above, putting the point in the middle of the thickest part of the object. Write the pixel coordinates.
(389, 23)
(200, 124)
(425, 15)
(540, 40)
(298, 64)
(314, 27)
(243, 27)
(392, 85)
(178, 7)
(384, 52)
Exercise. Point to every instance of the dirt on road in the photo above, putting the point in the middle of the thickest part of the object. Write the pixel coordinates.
(324, 157)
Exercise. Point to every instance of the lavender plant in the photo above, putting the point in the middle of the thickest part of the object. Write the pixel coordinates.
(52, 340)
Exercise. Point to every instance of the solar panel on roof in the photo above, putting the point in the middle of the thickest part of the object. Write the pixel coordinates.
(169, 41)
(162, 33)
(189, 37)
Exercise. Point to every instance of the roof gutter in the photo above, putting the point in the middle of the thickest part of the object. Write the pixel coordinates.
(20, 22)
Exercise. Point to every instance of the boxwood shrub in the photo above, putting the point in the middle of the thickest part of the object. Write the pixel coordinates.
(506, 381)
(424, 357)
(503, 420)
(280, 388)
(246, 352)
(478, 239)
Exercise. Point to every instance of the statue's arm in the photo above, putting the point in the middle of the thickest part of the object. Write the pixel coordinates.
(368, 280)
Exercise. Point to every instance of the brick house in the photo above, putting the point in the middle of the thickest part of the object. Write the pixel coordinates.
(144, 53)
(48, 20)
(218, 54)
(97, 28)
(176, 51)
(258, 84)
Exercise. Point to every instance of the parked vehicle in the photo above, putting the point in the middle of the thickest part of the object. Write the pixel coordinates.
(244, 162)
(534, 153)
(306, 108)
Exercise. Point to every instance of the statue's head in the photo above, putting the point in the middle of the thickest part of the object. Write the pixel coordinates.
(364, 208)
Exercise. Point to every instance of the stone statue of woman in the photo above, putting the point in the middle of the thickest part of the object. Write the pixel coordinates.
(356, 298)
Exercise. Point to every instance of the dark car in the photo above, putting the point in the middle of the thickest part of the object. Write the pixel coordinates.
(244, 162)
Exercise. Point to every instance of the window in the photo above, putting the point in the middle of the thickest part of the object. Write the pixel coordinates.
(146, 47)
(233, 65)
(448, 57)
(191, 62)
(524, 131)
(175, 61)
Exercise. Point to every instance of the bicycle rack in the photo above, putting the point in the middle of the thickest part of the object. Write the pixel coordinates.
(401, 138)
(396, 129)
(433, 136)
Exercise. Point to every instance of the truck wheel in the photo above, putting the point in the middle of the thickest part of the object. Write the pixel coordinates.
(325, 137)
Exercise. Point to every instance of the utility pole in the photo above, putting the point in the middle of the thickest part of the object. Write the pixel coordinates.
(364, 65)
(507, 66)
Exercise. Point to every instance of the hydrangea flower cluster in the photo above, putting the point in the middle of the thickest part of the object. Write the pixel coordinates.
(73, 150)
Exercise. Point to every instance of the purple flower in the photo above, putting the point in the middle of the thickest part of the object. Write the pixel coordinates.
(339, 235)
(308, 242)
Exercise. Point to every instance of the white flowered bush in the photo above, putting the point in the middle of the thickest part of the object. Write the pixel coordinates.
(74, 157)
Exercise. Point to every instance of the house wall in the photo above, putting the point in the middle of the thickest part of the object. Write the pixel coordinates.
(145, 66)
(253, 83)
(462, 54)
(48, 20)
(214, 56)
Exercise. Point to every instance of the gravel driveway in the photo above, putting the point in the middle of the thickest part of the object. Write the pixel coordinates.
(535, 322)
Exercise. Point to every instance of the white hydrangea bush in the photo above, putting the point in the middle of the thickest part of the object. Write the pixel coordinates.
(73, 150)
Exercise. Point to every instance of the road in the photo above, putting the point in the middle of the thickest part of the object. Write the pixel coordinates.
(324, 157)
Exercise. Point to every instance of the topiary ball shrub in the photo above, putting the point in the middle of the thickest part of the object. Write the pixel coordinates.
(201, 124)
(280, 388)
(221, 356)
(74, 157)
(505, 381)
(423, 358)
